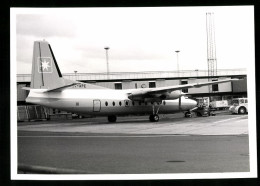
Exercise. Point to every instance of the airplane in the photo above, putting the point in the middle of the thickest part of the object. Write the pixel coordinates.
(48, 88)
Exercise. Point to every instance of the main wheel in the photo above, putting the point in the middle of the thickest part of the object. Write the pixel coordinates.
(111, 118)
(154, 118)
(242, 110)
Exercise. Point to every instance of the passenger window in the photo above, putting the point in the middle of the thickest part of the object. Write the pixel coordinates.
(126, 103)
(164, 102)
(113, 103)
(246, 101)
(106, 103)
(241, 101)
(133, 103)
(140, 102)
(120, 103)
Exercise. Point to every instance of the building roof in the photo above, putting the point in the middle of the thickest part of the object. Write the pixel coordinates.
(140, 75)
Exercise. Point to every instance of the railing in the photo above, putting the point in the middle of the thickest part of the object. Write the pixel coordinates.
(139, 75)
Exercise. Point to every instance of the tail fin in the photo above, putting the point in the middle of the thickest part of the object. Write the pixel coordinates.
(45, 71)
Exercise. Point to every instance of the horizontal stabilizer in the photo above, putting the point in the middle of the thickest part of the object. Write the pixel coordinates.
(59, 89)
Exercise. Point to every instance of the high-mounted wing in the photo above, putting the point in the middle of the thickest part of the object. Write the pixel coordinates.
(169, 92)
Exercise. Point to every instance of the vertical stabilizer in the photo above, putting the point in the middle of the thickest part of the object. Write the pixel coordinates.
(45, 71)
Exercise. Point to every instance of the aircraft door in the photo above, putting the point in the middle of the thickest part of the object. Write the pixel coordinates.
(96, 105)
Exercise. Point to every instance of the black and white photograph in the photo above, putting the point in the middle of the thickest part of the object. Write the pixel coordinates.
(125, 93)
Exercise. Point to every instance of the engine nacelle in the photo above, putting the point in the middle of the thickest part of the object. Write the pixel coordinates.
(173, 95)
(142, 95)
(136, 96)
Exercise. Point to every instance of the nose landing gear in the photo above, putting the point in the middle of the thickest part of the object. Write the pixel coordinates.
(188, 114)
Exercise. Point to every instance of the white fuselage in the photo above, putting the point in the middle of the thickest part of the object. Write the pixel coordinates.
(104, 102)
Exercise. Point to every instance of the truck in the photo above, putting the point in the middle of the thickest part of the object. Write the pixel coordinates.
(223, 104)
(239, 106)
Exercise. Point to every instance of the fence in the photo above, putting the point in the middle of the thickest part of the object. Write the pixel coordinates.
(31, 112)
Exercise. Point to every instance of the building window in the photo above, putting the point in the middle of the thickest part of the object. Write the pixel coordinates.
(118, 86)
(214, 87)
(184, 82)
(152, 84)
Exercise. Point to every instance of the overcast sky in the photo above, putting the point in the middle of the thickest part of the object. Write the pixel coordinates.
(140, 39)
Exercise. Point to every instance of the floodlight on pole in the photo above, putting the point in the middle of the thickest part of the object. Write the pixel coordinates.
(107, 48)
(178, 69)
(75, 71)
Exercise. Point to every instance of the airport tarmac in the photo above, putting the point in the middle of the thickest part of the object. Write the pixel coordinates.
(134, 145)
(173, 124)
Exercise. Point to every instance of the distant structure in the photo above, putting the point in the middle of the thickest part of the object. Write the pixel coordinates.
(211, 45)
(211, 51)
(107, 48)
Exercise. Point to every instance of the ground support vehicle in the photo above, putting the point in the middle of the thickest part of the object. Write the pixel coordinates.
(239, 106)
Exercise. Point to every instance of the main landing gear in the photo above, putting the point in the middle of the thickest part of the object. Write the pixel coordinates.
(111, 118)
(155, 117)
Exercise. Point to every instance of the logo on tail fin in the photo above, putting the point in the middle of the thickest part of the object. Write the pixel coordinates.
(44, 65)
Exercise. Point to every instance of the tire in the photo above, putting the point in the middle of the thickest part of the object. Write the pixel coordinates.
(154, 118)
(187, 115)
(111, 118)
(242, 110)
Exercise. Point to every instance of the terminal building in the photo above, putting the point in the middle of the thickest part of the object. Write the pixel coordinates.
(134, 80)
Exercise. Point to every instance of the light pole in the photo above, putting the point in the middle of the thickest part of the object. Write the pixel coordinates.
(178, 69)
(197, 72)
(75, 71)
(107, 48)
